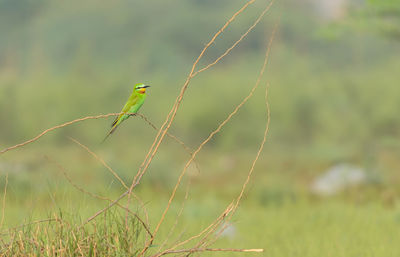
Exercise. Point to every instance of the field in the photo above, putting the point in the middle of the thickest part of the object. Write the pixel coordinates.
(304, 96)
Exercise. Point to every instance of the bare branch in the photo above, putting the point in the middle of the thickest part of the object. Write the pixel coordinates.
(101, 161)
(57, 127)
(238, 41)
(63, 171)
(210, 227)
(268, 119)
(196, 250)
(4, 202)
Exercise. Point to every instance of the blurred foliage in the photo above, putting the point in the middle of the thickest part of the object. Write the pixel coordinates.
(333, 93)
(381, 16)
(67, 60)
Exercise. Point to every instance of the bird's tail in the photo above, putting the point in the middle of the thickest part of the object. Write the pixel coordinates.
(110, 132)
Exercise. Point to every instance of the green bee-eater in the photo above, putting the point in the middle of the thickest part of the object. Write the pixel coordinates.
(132, 106)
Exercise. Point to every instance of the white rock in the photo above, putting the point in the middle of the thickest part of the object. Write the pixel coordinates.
(338, 178)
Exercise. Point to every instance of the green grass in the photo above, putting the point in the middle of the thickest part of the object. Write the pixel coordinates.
(62, 236)
(303, 227)
(325, 229)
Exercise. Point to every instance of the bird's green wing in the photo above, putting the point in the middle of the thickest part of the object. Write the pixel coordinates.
(135, 108)
(128, 105)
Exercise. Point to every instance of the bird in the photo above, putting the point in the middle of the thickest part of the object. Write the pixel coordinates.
(131, 107)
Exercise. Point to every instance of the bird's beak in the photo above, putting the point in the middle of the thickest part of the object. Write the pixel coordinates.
(145, 86)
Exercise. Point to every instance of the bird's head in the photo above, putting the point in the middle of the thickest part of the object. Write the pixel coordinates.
(140, 88)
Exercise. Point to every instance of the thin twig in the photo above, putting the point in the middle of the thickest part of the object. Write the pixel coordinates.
(203, 241)
(101, 161)
(194, 250)
(168, 134)
(238, 41)
(6, 232)
(213, 224)
(186, 148)
(65, 174)
(177, 217)
(57, 127)
(111, 204)
(143, 207)
(268, 118)
(4, 202)
(258, 152)
(63, 171)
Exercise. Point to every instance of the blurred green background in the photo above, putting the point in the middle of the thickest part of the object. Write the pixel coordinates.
(334, 95)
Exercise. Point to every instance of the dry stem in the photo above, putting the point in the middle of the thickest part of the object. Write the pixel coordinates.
(57, 127)
(268, 119)
(63, 171)
(4, 202)
(101, 161)
(196, 250)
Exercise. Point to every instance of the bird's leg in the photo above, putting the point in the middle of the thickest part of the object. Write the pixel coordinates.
(132, 114)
